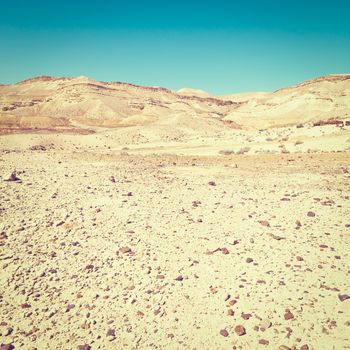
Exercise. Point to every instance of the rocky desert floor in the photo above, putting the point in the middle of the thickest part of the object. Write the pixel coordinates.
(119, 250)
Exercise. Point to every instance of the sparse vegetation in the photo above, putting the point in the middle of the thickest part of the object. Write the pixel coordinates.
(227, 152)
(243, 150)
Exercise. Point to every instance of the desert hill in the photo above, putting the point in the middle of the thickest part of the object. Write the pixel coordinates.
(322, 98)
(193, 92)
(48, 102)
(52, 102)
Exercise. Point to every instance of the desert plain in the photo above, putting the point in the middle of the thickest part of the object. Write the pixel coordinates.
(141, 218)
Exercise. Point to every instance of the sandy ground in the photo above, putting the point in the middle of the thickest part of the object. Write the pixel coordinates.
(104, 249)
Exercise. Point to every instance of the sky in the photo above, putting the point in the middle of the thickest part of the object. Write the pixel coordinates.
(218, 46)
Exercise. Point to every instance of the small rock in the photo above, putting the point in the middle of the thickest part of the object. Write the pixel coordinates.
(38, 148)
(284, 347)
(264, 223)
(240, 330)
(311, 214)
(230, 312)
(263, 342)
(125, 250)
(85, 325)
(13, 177)
(89, 268)
(140, 314)
(84, 347)
(25, 306)
(224, 251)
(111, 333)
(224, 333)
(6, 347)
(8, 331)
(264, 325)
(246, 316)
(343, 297)
(300, 258)
(277, 238)
(179, 278)
(249, 260)
(70, 307)
(305, 347)
(212, 183)
(288, 315)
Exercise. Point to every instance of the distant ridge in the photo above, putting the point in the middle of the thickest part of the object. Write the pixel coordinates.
(46, 101)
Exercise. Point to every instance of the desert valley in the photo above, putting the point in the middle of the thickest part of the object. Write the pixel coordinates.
(136, 217)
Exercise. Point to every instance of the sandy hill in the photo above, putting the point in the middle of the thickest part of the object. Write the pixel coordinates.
(244, 96)
(47, 102)
(193, 92)
(50, 102)
(318, 99)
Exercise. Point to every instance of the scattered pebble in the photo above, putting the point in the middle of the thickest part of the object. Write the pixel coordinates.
(7, 346)
(264, 223)
(246, 316)
(343, 297)
(288, 315)
(84, 347)
(230, 312)
(224, 333)
(264, 325)
(224, 251)
(13, 177)
(240, 330)
(125, 250)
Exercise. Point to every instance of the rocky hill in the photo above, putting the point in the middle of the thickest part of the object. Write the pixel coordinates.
(81, 103)
(314, 100)
(61, 102)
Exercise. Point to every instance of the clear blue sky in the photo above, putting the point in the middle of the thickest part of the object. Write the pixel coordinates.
(218, 46)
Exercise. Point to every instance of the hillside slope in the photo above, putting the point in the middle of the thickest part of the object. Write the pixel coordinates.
(322, 98)
(80, 103)
(51, 102)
